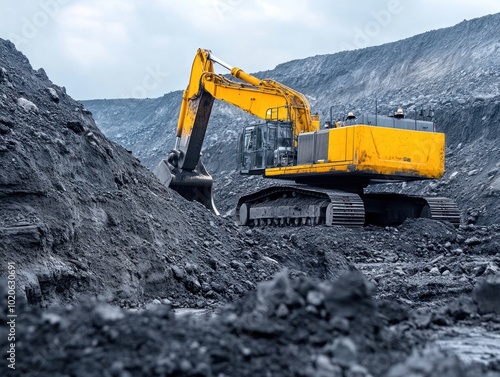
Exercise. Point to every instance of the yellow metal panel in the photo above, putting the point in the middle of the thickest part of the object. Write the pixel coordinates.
(337, 139)
(376, 151)
(349, 147)
(340, 144)
(385, 149)
(324, 168)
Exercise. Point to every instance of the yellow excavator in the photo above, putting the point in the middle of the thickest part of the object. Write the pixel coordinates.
(329, 167)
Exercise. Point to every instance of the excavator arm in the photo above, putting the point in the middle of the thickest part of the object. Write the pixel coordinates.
(261, 98)
(265, 99)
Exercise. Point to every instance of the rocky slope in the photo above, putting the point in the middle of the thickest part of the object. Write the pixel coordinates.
(455, 71)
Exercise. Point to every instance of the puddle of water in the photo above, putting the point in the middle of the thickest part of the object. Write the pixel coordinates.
(472, 345)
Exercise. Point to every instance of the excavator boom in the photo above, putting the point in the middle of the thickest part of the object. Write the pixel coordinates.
(261, 98)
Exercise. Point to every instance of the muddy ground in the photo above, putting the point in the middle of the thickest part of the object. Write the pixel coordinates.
(106, 258)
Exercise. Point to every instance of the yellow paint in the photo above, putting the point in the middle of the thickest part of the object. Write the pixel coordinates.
(340, 145)
(376, 150)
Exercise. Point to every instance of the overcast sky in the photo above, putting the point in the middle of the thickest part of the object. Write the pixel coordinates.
(144, 48)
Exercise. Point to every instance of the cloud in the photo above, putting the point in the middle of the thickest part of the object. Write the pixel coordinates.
(113, 48)
(93, 34)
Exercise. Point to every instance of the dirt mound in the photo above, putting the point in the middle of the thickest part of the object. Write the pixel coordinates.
(300, 327)
(287, 327)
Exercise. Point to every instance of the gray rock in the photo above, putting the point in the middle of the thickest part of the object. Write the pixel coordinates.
(429, 363)
(282, 311)
(326, 368)
(340, 323)
(486, 295)
(26, 105)
(53, 94)
(472, 241)
(178, 272)
(315, 298)
(344, 349)
(236, 264)
(491, 269)
(3, 74)
(435, 271)
(357, 370)
(192, 283)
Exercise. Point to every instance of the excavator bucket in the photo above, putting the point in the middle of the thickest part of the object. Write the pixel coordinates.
(191, 184)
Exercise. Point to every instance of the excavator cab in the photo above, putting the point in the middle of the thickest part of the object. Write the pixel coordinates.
(266, 145)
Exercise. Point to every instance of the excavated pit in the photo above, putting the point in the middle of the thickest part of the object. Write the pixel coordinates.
(119, 276)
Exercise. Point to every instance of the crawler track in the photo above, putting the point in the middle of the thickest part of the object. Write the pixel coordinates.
(444, 209)
(292, 205)
(296, 205)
